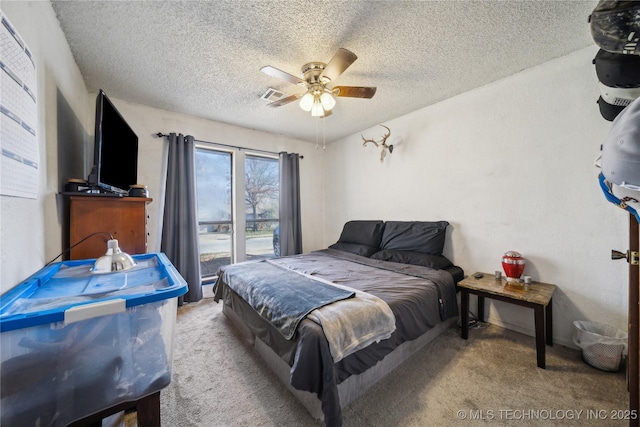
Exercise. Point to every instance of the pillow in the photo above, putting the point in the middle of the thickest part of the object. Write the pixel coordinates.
(367, 233)
(354, 248)
(425, 237)
(439, 262)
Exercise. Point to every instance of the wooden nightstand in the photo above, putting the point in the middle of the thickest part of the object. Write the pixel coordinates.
(536, 295)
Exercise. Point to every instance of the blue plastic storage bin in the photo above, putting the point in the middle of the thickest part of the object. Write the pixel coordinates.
(74, 343)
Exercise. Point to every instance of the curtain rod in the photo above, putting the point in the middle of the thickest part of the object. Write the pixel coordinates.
(160, 135)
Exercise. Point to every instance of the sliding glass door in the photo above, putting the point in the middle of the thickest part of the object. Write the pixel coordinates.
(238, 207)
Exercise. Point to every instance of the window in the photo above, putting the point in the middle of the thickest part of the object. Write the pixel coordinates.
(215, 210)
(238, 207)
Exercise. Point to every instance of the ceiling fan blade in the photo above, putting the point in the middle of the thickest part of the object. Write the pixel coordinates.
(284, 101)
(279, 74)
(342, 59)
(355, 91)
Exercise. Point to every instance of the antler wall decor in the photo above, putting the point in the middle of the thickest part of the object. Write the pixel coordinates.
(382, 144)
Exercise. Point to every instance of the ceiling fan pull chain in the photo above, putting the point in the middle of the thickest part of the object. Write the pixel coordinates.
(317, 134)
(324, 139)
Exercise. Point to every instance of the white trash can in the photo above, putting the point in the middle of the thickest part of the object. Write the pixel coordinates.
(603, 346)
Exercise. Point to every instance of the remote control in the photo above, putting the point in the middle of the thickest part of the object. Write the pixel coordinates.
(478, 275)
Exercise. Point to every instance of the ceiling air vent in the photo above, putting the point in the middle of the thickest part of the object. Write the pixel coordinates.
(272, 95)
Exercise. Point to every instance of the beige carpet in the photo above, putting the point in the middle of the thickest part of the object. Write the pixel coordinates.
(490, 379)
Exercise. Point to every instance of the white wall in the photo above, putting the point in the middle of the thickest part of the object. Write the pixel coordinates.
(510, 166)
(30, 228)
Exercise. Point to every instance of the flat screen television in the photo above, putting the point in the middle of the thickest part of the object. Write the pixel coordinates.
(115, 156)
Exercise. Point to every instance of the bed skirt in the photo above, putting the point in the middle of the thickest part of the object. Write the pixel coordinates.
(351, 388)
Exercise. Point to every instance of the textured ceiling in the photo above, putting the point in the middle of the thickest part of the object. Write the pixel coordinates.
(202, 58)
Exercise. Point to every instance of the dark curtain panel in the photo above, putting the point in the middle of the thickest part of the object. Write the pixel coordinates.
(290, 224)
(180, 225)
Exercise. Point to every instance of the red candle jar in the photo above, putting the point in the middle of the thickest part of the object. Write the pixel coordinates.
(513, 266)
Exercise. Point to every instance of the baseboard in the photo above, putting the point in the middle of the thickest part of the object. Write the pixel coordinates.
(527, 331)
(207, 290)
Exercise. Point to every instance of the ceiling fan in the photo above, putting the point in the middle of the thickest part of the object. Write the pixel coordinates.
(315, 78)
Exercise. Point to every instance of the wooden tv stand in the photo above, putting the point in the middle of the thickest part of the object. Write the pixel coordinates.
(125, 218)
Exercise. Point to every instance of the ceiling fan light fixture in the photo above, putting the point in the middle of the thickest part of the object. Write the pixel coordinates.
(327, 100)
(317, 110)
(306, 102)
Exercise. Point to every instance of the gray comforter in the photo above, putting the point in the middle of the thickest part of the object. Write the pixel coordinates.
(419, 298)
(283, 297)
(350, 319)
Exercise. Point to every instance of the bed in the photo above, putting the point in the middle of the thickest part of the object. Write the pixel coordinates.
(331, 323)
